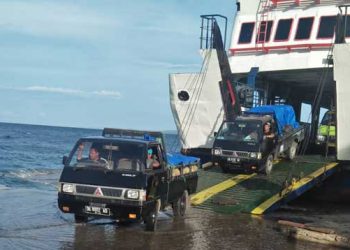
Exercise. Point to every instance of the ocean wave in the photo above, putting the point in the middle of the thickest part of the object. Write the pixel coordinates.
(28, 173)
(30, 178)
(3, 187)
(6, 137)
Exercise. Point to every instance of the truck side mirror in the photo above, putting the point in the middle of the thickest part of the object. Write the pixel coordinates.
(64, 160)
(215, 134)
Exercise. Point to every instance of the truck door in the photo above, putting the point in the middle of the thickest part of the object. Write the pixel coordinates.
(269, 138)
(160, 174)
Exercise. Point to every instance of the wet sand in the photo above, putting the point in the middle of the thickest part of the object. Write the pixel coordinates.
(30, 219)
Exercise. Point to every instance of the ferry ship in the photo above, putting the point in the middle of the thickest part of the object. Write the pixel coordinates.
(287, 51)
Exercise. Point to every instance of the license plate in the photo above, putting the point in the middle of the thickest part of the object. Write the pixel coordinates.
(97, 210)
(233, 159)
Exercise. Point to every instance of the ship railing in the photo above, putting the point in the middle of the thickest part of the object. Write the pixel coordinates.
(296, 2)
(206, 38)
(281, 3)
(288, 48)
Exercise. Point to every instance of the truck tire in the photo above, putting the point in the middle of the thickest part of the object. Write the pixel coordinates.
(292, 151)
(80, 218)
(152, 218)
(268, 164)
(180, 206)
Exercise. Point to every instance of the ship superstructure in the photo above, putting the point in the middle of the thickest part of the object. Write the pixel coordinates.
(290, 43)
(280, 48)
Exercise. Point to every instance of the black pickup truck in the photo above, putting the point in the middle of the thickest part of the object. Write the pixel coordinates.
(241, 144)
(125, 175)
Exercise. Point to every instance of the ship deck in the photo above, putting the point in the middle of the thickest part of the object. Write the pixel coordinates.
(258, 193)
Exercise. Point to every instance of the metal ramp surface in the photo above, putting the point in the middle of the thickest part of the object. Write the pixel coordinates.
(257, 193)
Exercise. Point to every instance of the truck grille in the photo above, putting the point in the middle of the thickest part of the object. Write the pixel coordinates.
(90, 190)
(112, 192)
(242, 154)
(227, 152)
(235, 153)
(85, 189)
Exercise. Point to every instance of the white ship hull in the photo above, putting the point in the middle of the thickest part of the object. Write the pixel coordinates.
(201, 115)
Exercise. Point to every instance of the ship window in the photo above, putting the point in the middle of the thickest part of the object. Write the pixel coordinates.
(304, 28)
(246, 34)
(264, 31)
(183, 95)
(327, 27)
(283, 29)
(305, 113)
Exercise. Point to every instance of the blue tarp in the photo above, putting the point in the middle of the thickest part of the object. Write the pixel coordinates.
(179, 159)
(283, 114)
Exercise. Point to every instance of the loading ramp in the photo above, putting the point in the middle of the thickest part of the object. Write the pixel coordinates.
(257, 193)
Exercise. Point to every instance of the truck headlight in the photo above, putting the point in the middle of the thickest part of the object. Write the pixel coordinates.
(321, 137)
(253, 155)
(67, 188)
(132, 194)
(258, 156)
(217, 151)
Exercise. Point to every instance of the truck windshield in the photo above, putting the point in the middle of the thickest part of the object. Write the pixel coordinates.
(240, 131)
(328, 118)
(109, 155)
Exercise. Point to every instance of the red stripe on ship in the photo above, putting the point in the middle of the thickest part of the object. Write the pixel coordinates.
(232, 95)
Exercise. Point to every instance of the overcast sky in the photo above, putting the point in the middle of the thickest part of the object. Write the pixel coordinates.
(97, 63)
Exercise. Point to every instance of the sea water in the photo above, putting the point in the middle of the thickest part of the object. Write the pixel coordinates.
(30, 165)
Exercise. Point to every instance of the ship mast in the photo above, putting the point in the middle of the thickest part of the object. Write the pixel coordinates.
(214, 40)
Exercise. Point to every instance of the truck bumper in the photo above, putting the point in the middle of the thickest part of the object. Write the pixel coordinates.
(115, 209)
(240, 164)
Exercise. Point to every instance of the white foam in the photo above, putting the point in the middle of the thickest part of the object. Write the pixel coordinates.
(29, 173)
(3, 187)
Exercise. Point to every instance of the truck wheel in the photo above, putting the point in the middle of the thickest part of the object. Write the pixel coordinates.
(269, 164)
(152, 217)
(80, 218)
(180, 206)
(292, 151)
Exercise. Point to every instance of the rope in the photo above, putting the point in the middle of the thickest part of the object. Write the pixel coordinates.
(197, 97)
(196, 84)
(188, 118)
(317, 100)
(315, 106)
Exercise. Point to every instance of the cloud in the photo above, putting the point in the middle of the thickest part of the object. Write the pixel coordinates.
(67, 91)
(168, 65)
(115, 94)
(53, 90)
(53, 19)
